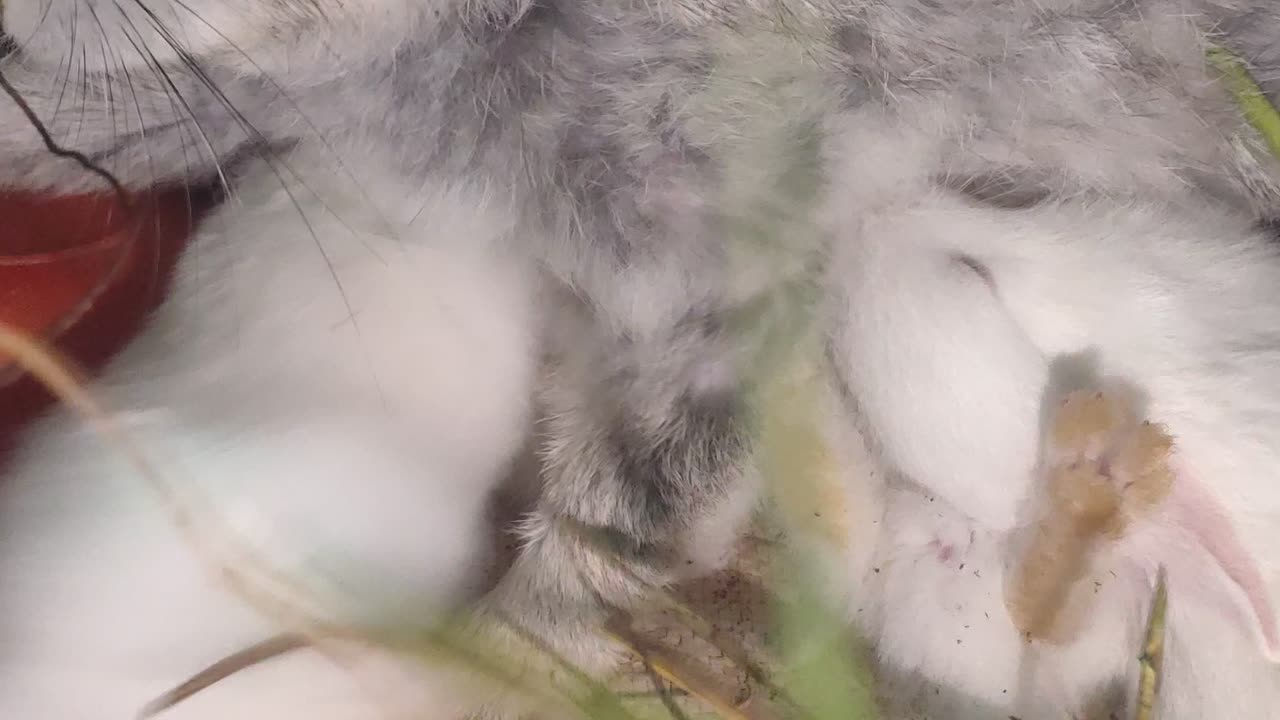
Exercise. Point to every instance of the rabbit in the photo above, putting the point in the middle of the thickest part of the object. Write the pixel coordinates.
(595, 137)
(1033, 235)
(438, 215)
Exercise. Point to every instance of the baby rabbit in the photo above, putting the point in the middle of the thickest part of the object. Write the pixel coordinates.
(426, 202)
(1072, 210)
(559, 166)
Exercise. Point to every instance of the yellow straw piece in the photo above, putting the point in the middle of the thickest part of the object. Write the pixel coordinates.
(1152, 652)
(667, 669)
(1257, 109)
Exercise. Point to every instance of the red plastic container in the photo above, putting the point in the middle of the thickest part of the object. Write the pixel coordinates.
(81, 272)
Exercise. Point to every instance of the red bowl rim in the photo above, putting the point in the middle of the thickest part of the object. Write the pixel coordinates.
(121, 237)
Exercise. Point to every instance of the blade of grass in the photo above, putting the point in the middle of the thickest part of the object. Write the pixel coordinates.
(820, 667)
(598, 702)
(1152, 651)
(1255, 106)
(262, 586)
(666, 668)
(704, 629)
(255, 654)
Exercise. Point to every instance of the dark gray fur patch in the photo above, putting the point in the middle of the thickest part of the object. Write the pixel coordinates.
(982, 271)
(668, 474)
(1271, 226)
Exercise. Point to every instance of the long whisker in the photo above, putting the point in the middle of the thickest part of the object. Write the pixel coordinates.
(272, 162)
(184, 135)
(44, 15)
(55, 149)
(121, 71)
(195, 252)
(176, 94)
(84, 86)
(65, 66)
(248, 127)
(275, 166)
(288, 98)
(182, 107)
(190, 64)
(137, 107)
(107, 89)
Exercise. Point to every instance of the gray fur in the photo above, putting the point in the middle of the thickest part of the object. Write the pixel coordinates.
(578, 116)
(592, 120)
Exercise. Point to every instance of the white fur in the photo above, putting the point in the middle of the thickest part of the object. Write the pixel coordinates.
(953, 374)
(259, 358)
(352, 442)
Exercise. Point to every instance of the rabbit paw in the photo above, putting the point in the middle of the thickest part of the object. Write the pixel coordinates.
(1105, 467)
(1087, 425)
(1102, 459)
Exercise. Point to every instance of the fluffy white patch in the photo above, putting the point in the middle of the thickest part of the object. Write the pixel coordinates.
(952, 373)
(345, 419)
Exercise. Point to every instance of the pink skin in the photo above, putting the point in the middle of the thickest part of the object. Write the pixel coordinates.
(1192, 512)
(1195, 512)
